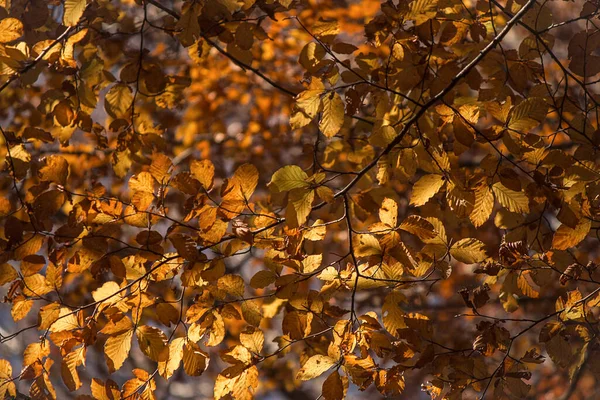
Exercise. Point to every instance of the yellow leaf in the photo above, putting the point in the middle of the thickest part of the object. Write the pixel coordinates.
(238, 380)
(468, 251)
(152, 341)
(69, 365)
(20, 308)
(309, 101)
(253, 339)
(73, 11)
(141, 387)
(393, 315)
(7, 274)
(288, 178)
(388, 213)
(10, 29)
(484, 204)
(105, 391)
(141, 182)
(195, 361)
(299, 207)
(566, 237)
(314, 367)
(35, 352)
(231, 284)
(118, 326)
(250, 311)
(48, 315)
(32, 264)
(328, 274)
(383, 136)
(425, 188)
(528, 114)
(204, 171)
(217, 329)
(311, 263)
(332, 117)
(316, 231)
(237, 354)
(246, 178)
(7, 386)
(170, 364)
(117, 102)
(56, 170)
(116, 350)
(419, 227)
(325, 28)
(367, 245)
(510, 199)
(263, 279)
(422, 10)
(121, 162)
(160, 167)
(31, 244)
(107, 293)
(299, 120)
(66, 321)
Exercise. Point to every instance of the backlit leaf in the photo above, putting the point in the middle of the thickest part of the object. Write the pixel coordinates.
(425, 188)
(314, 367)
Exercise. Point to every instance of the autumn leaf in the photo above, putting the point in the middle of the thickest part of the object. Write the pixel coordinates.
(73, 11)
(468, 251)
(528, 114)
(314, 367)
(6, 383)
(299, 206)
(253, 339)
(566, 237)
(484, 204)
(425, 188)
(298, 185)
(195, 361)
(419, 227)
(55, 170)
(69, 368)
(288, 178)
(141, 385)
(422, 10)
(7, 274)
(204, 172)
(309, 101)
(152, 341)
(168, 364)
(116, 349)
(118, 100)
(332, 117)
(512, 200)
(388, 213)
(11, 29)
(333, 387)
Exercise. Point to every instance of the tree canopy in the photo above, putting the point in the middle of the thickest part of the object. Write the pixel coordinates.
(299, 199)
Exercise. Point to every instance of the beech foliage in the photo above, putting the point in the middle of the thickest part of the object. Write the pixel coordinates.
(300, 198)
